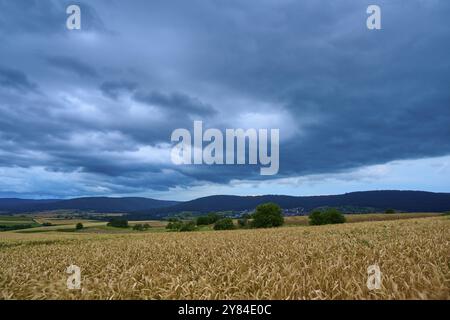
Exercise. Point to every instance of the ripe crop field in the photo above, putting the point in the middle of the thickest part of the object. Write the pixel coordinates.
(303, 262)
(303, 220)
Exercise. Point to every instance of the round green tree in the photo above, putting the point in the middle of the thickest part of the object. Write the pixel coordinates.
(267, 215)
(188, 226)
(333, 216)
(224, 224)
(316, 218)
(327, 216)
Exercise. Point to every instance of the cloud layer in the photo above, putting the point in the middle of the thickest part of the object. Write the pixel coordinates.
(96, 106)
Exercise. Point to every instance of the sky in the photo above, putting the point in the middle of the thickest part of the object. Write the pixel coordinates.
(90, 112)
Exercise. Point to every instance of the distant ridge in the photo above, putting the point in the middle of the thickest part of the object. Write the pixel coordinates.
(10, 204)
(408, 201)
(94, 204)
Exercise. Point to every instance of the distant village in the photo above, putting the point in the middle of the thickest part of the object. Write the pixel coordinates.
(298, 211)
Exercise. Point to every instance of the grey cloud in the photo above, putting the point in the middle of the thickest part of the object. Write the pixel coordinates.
(176, 102)
(73, 65)
(15, 79)
(113, 89)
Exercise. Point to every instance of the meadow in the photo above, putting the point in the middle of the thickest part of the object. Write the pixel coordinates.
(297, 262)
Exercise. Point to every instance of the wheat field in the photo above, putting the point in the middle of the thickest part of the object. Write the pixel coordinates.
(303, 262)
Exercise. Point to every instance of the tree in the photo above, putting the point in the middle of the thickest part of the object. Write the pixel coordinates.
(267, 215)
(390, 211)
(224, 224)
(327, 216)
(315, 218)
(79, 226)
(188, 226)
(333, 216)
(118, 223)
(179, 225)
(213, 217)
(203, 221)
(141, 227)
(174, 225)
(210, 218)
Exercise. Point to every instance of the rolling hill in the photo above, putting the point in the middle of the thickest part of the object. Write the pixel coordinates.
(408, 201)
(94, 204)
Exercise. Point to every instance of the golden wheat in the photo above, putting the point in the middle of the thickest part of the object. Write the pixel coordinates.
(324, 262)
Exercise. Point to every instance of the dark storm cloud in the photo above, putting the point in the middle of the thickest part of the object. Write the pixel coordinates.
(359, 97)
(113, 89)
(176, 102)
(342, 96)
(15, 79)
(73, 65)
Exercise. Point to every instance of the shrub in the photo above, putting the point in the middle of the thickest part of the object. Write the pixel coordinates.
(203, 221)
(446, 213)
(390, 211)
(141, 227)
(188, 226)
(224, 224)
(210, 218)
(47, 224)
(327, 216)
(333, 216)
(79, 226)
(316, 218)
(15, 227)
(118, 223)
(267, 215)
(174, 224)
(178, 225)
